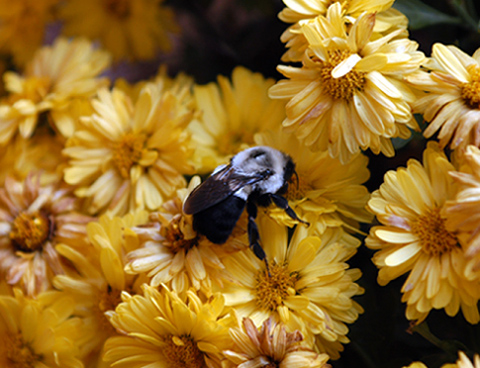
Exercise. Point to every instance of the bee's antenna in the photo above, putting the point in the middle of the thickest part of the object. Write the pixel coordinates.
(298, 180)
(268, 267)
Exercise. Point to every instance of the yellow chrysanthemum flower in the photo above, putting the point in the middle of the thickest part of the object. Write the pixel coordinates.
(34, 220)
(101, 277)
(413, 238)
(129, 156)
(42, 152)
(161, 327)
(59, 80)
(452, 104)
(22, 27)
(324, 190)
(272, 346)
(174, 254)
(462, 212)
(231, 113)
(349, 94)
(308, 286)
(38, 333)
(387, 20)
(462, 362)
(131, 29)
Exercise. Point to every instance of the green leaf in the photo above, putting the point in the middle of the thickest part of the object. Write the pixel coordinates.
(421, 15)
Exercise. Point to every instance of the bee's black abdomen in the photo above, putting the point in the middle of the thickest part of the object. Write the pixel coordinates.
(217, 222)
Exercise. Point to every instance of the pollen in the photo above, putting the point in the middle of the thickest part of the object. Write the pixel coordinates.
(297, 188)
(181, 352)
(118, 8)
(128, 152)
(345, 86)
(30, 231)
(272, 289)
(19, 354)
(434, 237)
(174, 237)
(471, 91)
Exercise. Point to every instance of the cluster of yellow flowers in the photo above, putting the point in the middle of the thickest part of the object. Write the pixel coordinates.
(100, 266)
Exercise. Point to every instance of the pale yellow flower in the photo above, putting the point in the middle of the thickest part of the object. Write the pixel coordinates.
(130, 29)
(34, 220)
(55, 86)
(231, 112)
(161, 327)
(39, 332)
(308, 286)
(413, 239)
(387, 20)
(452, 104)
(349, 94)
(101, 278)
(172, 252)
(128, 156)
(463, 211)
(324, 191)
(22, 27)
(464, 362)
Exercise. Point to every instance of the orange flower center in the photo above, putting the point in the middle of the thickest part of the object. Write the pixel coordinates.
(297, 188)
(30, 231)
(128, 152)
(232, 141)
(34, 89)
(471, 90)
(118, 8)
(433, 235)
(271, 290)
(182, 352)
(345, 86)
(174, 237)
(108, 299)
(19, 354)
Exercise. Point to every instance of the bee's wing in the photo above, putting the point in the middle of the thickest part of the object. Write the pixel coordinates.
(216, 188)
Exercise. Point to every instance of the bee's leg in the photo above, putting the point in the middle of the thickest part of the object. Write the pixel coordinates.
(282, 203)
(253, 234)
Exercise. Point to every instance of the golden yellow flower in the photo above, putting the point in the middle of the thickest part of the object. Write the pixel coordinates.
(272, 346)
(413, 239)
(101, 277)
(59, 80)
(129, 156)
(462, 212)
(161, 327)
(308, 288)
(34, 220)
(40, 332)
(172, 253)
(349, 94)
(324, 191)
(42, 152)
(464, 362)
(387, 20)
(22, 27)
(452, 104)
(231, 113)
(131, 29)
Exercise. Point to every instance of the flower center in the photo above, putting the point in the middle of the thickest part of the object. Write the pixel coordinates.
(232, 141)
(108, 299)
(471, 90)
(30, 231)
(182, 352)
(128, 152)
(271, 290)
(345, 86)
(118, 8)
(433, 235)
(297, 188)
(19, 355)
(174, 237)
(33, 88)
